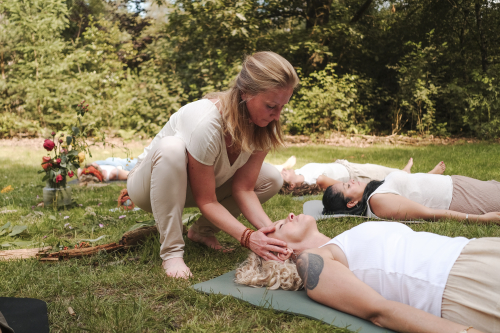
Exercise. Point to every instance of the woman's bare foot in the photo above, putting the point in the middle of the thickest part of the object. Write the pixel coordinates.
(438, 169)
(290, 162)
(209, 241)
(408, 166)
(175, 267)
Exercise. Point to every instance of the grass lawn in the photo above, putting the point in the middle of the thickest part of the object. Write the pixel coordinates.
(128, 291)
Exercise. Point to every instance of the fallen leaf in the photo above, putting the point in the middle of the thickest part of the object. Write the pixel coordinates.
(71, 311)
(7, 189)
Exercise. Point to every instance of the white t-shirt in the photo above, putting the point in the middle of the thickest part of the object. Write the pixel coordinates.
(432, 191)
(400, 264)
(312, 171)
(200, 126)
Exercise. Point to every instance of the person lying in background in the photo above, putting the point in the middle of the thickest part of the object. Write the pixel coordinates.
(388, 274)
(314, 178)
(403, 196)
(112, 168)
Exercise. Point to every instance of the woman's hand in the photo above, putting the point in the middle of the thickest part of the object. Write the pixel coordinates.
(489, 217)
(263, 246)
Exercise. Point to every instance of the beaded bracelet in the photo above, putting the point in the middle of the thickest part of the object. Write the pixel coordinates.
(242, 240)
(247, 239)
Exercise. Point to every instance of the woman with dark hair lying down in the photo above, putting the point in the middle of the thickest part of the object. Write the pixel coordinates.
(388, 274)
(403, 196)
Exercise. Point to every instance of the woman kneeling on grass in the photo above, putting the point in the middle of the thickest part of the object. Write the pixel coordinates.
(210, 155)
(403, 196)
(388, 274)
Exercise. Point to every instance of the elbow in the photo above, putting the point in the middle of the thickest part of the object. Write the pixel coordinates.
(380, 315)
(376, 319)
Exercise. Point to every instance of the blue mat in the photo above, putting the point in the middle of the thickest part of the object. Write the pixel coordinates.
(293, 302)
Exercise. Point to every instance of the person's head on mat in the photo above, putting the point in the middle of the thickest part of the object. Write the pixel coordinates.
(386, 273)
(298, 190)
(348, 198)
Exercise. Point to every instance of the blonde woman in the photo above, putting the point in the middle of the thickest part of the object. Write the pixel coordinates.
(388, 274)
(210, 155)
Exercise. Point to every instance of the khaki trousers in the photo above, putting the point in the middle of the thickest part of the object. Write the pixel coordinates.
(472, 293)
(367, 172)
(159, 185)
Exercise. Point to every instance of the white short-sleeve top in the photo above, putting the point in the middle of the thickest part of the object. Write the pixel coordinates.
(429, 190)
(200, 126)
(400, 264)
(312, 171)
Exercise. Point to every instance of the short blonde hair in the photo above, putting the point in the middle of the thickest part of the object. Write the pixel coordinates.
(261, 72)
(256, 272)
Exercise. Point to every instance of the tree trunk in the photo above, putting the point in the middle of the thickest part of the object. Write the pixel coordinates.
(482, 43)
(361, 11)
(318, 12)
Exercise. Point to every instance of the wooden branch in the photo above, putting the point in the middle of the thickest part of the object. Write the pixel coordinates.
(137, 236)
(22, 253)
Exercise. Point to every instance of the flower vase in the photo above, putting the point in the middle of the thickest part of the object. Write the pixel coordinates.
(56, 196)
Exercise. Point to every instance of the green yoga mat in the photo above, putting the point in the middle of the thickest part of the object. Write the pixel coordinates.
(294, 302)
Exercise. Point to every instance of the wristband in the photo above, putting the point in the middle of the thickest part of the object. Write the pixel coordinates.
(247, 239)
(243, 236)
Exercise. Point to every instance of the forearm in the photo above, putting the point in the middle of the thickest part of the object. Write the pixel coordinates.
(444, 214)
(404, 318)
(250, 206)
(222, 219)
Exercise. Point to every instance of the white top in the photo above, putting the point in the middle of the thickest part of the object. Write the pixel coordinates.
(400, 264)
(312, 171)
(432, 191)
(200, 126)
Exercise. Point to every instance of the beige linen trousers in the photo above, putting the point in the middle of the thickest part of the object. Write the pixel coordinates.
(159, 185)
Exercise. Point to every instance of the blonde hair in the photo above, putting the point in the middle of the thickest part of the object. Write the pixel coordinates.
(261, 72)
(256, 272)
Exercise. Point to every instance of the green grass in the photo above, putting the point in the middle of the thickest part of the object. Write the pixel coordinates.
(128, 292)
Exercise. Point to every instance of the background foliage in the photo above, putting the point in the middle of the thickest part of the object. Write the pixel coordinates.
(367, 66)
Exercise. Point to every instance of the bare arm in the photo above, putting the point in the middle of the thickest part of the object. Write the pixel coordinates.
(324, 182)
(329, 282)
(202, 180)
(393, 206)
(243, 191)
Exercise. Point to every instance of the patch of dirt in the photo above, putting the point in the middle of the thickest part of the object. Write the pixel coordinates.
(37, 143)
(362, 141)
(339, 140)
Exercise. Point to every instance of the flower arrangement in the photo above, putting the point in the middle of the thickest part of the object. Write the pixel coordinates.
(68, 152)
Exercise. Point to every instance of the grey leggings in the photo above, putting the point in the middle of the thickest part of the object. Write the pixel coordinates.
(159, 184)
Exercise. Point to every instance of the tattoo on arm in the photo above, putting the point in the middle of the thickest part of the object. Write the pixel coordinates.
(310, 266)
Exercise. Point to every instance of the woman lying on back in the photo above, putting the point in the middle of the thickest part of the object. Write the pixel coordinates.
(403, 196)
(388, 274)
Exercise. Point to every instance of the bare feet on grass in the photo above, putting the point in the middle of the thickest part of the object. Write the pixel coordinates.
(210, 241)
(175, 267)
(408, 166)
(438, 169)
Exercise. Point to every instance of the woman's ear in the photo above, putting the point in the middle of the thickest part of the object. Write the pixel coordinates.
(292, 186)
(286, 255)
(243, 96)
(352, 203)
